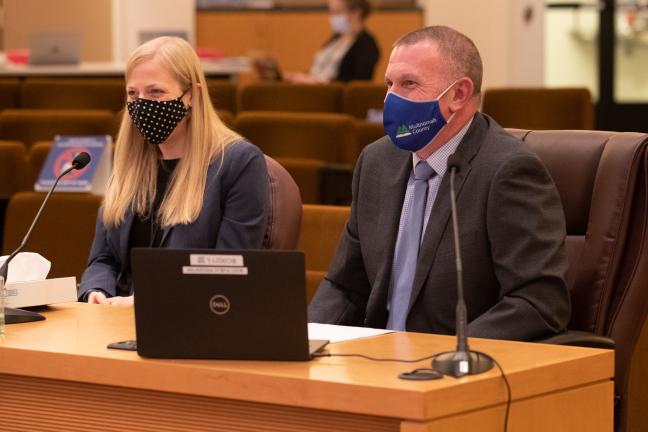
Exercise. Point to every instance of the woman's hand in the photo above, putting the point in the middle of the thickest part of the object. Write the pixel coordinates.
(120, 301)
(97, 297)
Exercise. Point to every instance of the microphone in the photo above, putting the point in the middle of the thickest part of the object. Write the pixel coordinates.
(79, 162)
(14, 316)
(463, 361)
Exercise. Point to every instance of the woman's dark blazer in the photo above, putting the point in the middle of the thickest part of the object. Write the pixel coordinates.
(234, 213)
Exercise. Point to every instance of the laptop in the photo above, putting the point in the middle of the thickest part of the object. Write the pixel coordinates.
(54, 48)
(266, 67)
(210, 304)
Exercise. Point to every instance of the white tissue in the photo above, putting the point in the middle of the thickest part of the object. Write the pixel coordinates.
(27, 266)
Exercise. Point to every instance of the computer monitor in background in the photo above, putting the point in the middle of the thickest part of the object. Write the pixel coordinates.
(54, 48)
(145, 36)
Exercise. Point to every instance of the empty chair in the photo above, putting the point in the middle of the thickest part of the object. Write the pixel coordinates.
(29, 126)
(602, 181)
(63, 234)
(73, 93)
(540, 108)
(9, 93)
(291, 97)
(12, 172)
(369, 132)
(322, 227)
(35, 160)
(314, 148)
(321, 136)
(222, 94)
(307, 173)
(13, 167)
(336, 182)
(227, 117)
(361, 96)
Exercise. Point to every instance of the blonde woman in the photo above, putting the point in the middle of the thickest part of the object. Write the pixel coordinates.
(181, 178)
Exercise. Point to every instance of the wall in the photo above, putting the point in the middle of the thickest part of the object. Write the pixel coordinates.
(135, 16)
(90, 18)
(511, 45)
(1, 24)
(570, 49)
(572, 54)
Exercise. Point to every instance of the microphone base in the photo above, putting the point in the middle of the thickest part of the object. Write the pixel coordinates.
(18, 316)
(449, 363)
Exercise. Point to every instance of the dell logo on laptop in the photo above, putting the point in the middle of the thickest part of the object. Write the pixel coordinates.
(219, 304)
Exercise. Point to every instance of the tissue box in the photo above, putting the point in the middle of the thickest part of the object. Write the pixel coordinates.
(41, 293)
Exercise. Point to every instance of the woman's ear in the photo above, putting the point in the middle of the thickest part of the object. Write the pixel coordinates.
(190, 94)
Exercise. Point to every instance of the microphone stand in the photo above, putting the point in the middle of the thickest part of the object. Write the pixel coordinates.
(17, 316)
(463, 361)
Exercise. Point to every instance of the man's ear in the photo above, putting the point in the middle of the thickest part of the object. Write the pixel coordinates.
(461, 94)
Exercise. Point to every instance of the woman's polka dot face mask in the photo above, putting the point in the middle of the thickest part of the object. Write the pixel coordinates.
(155, 119)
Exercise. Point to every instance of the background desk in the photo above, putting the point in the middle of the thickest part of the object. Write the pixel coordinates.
(58, 375)
(226, 68)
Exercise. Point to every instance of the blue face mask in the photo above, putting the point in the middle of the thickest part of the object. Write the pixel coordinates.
(411, 125)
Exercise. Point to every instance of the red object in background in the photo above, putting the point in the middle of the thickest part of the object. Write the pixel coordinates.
(17, 56)
(209, 53)
(64, 161)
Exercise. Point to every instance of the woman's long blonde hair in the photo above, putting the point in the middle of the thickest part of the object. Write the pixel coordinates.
(133, 183)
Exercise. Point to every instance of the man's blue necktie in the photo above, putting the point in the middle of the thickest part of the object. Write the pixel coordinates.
(408, 248)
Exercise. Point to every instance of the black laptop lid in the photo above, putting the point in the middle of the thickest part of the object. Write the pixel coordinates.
(212, 304)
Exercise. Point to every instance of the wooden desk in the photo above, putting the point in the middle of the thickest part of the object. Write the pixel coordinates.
(58, 375)
(230, 67)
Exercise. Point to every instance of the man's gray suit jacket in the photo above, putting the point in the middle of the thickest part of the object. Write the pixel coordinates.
(512, 232)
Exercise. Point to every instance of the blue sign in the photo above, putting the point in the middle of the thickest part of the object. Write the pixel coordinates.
(64, 150)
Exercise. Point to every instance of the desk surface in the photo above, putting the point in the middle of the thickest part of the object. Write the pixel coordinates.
(71, 345)
(231, 66)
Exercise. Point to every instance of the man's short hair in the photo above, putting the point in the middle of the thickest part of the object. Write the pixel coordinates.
(459, 49)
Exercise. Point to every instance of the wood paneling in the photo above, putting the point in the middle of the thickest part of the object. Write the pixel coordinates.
(93, 19)
(294, 37)
(36, 404)
(584, 408)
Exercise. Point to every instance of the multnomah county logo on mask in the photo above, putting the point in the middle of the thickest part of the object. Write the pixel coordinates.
(403, 131)
(219, 304)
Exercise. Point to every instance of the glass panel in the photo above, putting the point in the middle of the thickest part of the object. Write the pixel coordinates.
(631, 52)
(571, 52)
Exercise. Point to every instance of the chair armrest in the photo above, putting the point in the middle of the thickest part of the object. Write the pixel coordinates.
(579, 338)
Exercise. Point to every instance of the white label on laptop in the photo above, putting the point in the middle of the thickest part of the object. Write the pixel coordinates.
(234, 271)
(216, 260)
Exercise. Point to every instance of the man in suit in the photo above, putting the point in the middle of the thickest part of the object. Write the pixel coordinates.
(395, 264)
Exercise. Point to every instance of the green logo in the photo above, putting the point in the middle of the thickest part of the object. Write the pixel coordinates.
(403, 131)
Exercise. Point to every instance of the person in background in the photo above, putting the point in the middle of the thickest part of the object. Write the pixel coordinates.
(350, 54)
(181, 178)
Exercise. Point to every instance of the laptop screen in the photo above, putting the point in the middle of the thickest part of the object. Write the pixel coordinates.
(220, 304)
